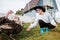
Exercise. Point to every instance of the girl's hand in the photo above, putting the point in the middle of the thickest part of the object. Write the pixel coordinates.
(28, 29)
(56, 26)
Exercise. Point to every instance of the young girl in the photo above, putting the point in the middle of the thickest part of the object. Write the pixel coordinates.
(44, 19)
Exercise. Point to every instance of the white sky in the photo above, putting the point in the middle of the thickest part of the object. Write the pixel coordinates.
(6, 5)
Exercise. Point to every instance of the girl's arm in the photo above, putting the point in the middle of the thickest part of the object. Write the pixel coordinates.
(34, 24)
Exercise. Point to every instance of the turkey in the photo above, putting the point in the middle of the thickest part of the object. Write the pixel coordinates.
(9, 27)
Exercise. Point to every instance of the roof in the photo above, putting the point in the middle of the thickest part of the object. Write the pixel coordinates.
(33, 3)
(30, 5)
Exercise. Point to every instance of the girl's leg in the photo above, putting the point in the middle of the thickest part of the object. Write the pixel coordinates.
(42, 30)
(41, 24)
(47, 29)
(51, 26)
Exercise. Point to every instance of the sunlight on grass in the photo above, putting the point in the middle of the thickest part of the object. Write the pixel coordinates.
(35, 34)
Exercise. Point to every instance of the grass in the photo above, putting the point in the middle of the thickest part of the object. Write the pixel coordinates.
(35, 34)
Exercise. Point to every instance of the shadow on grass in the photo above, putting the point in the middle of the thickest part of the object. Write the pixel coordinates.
(55, 30)
(24, 34)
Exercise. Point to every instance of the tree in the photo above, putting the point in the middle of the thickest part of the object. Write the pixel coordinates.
(19, 12)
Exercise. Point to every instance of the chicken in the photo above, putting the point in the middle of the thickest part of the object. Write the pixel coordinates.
(9, 27)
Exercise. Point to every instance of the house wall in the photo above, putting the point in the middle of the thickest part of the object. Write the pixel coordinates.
(26, 19)
(58, 4)
(52, 3)
(29, 16)
(31, 13)
(48, 2)
(40, 3)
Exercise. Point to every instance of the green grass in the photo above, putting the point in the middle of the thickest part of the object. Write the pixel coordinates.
(35, 34)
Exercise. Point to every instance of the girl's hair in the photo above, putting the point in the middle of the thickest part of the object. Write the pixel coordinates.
(39, 7)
